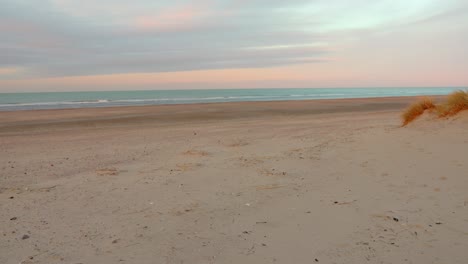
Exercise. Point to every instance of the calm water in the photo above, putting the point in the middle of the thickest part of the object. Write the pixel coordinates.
(57, 100)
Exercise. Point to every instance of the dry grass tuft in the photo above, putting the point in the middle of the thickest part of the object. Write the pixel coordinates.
(456, 102)
(417, 109)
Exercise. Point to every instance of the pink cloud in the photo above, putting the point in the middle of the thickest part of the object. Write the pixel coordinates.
(306, 76)
(8, 71)
(180, 18)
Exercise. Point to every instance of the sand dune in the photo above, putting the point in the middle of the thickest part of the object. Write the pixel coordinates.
(322, 182)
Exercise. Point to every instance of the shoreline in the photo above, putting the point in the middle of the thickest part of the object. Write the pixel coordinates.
(24, 119)
(233, 102)
(97, 99)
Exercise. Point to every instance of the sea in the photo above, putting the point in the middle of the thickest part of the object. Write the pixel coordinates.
(63, 100)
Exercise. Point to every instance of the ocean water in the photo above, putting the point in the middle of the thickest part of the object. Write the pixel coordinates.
(61, 100)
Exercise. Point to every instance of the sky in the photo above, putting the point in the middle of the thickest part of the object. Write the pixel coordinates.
(74, 45)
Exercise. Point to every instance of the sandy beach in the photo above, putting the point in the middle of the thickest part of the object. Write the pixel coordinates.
(325, 181)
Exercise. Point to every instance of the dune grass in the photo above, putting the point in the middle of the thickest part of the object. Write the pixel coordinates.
(417, 109)
(456, 102)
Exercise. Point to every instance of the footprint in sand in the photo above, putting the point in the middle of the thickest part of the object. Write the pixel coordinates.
(251, 161)
(297, 152)
(196, 153)
(189, 208)
(268, 187)
(107, 172)
(237, 143)
(271, 172)
(187, 166)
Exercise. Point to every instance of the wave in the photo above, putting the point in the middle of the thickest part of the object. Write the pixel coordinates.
(215, 97)
(104, 101)
(55, 103)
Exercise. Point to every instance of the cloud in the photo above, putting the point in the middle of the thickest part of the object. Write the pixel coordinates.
(58, 38)
(178, 18)
(8, 71)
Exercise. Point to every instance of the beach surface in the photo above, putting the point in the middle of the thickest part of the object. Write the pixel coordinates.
(324, 181)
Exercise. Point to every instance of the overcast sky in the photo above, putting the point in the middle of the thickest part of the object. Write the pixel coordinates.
(68, 45)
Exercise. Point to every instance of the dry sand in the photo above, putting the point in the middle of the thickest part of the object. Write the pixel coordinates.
(333, 181)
